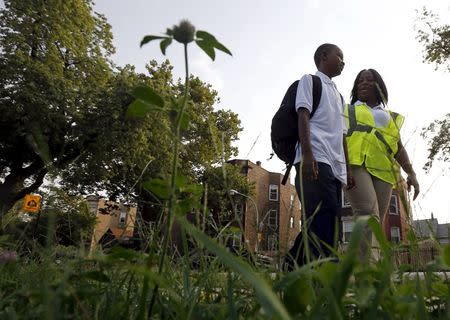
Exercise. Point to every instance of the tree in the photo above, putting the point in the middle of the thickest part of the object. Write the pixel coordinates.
(220, 180)
(54, 65)
(436, 40)
(133, 150)
(63, 219)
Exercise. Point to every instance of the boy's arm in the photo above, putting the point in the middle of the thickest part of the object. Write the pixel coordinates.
(350, 178)
(309, 165)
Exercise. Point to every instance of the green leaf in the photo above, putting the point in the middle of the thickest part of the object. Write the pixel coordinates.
(205, 35)
(207, 48)
(212, 41)
(39, 143)
(138, 109)
(345, 268)
(181, 180)
(446, 255)
(123, 254)
(169, 32)
(185, 120)
(158, 187)
(298, 295)
(222, 48)
(381, 238)
(149, 38)
(267, 298)
(148, 95)
(164, 44)
(186, 205)
(97, 276)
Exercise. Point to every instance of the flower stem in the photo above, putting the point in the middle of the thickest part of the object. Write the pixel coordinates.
(172, 196)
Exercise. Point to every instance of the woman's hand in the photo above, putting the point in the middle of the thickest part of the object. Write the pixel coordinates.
(412, 181)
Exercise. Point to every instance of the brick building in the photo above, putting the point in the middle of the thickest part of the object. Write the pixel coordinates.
(277, 207)
(396, 221)
(115, 221)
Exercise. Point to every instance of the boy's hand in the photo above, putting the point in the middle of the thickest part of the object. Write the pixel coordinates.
(310, 169)
(350, 180)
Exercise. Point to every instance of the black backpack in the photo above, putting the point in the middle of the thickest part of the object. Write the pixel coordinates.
(284, 129)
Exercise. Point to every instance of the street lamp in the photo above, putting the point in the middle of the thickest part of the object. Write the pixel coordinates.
(233, 192)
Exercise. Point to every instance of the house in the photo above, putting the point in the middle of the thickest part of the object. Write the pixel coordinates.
(272, 215)
(115, 221)
(431, 228)
(396, 221)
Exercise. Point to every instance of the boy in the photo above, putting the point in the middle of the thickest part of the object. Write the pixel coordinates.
(321, 156)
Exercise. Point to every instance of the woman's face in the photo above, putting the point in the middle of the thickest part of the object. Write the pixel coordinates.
(365, 88)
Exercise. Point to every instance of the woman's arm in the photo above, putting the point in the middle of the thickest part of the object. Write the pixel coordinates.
(403, 159)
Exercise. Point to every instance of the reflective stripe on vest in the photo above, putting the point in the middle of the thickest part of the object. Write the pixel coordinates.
(354, 126)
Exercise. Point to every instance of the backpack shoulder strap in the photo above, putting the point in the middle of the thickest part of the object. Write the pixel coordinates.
(316, 94)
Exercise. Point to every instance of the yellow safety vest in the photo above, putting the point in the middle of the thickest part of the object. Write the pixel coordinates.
(371, 146)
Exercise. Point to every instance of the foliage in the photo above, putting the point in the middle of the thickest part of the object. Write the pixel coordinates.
(185, 33)
(54, 62)
(132, 144)
(54, 282)
(220, 180)
(64, 283)
(435, 37)
(63, 220)
(438, 135)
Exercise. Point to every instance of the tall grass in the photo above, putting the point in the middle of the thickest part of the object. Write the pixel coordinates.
(206, 281)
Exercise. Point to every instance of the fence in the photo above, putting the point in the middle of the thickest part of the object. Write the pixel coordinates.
(416, 258)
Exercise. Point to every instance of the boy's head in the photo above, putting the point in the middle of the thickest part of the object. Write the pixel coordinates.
(329, 59)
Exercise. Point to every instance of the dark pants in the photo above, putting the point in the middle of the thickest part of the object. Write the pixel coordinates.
(322, 203)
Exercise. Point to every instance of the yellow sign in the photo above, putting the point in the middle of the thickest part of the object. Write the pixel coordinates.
(32, 202)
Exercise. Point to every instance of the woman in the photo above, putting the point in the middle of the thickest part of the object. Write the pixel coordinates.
(374, 150)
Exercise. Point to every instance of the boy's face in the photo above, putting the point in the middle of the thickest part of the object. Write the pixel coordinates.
(334, 62)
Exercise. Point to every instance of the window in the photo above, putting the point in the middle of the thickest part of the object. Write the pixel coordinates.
(123, 217)
(393, 205)
(291, 203)
(239, 207)
(347, 228)
(273, 192)
(345, 201)
(236, 240)
(291, 222)
(395, 234)
(273, 219)
(272, 242)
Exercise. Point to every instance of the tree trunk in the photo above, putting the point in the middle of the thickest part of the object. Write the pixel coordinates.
(14, 189)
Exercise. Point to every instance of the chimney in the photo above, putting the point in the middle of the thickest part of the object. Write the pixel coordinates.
(258, 163)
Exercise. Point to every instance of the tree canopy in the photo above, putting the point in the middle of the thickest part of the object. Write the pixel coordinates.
(64, 109)
(435, 37)
(54, 65)
(131, 150)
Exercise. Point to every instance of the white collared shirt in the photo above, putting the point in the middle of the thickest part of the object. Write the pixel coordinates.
(379, 113)
(327, 126)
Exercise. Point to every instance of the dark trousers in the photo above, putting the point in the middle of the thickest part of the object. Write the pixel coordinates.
(322, 203)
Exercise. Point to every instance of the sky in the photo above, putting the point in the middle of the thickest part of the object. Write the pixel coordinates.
(273, 43)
